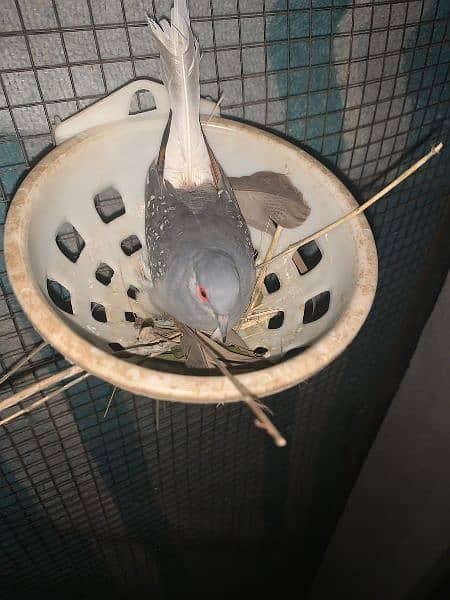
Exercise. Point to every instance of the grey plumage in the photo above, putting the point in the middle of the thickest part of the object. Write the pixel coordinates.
(199, 252)
(197, 237)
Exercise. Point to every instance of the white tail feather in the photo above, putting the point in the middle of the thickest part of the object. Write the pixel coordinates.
(187, 161)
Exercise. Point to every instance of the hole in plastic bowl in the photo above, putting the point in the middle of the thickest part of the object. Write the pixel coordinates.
(70, 242)
(260, 351)
(116, 347)
(276, 321)
(132, 292)
(98, 312)
(272, 283)
(60, 296)
(130, 245)
(104, 273)
(316, 307)
(307, 257)
(109, 205)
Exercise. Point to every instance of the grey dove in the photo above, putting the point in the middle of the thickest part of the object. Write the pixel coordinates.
(199, 257)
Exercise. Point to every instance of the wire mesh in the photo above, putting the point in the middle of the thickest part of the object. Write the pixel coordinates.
(113, 504)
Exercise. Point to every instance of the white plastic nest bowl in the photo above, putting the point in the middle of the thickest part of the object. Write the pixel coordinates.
(80, 289)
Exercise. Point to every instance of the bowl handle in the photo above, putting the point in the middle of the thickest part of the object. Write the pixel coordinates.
(116, 107)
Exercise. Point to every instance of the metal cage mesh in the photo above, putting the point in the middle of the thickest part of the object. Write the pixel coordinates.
(112, 504)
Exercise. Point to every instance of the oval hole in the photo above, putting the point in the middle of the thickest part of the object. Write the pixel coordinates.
(130, 245)
(130, 317)
(132, 292)
(307, 257)
(255, 253)
(260, 351)
(316, 307)
(116, 347)
(70, 242)
(98, 312)
(60, 296)
(272, 283)
(142, 101)
(276, 321)
(104, 273)
(295, 351)
(109, 205)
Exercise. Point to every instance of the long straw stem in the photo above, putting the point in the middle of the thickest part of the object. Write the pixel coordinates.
(39, 386)
(22, 361)
(260, 279)
(44, 399)
(435, 150)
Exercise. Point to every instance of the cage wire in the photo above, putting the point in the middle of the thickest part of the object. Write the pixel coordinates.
(113, 504)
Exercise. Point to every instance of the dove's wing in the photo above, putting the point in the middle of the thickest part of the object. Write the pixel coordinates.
(186, 161)
(266, 198)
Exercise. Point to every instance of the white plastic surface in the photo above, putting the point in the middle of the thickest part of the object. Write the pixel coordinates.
(117, 153)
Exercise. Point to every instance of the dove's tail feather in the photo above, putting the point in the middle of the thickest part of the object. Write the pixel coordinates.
(186, 161)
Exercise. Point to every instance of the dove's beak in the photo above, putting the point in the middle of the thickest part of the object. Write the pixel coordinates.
(222, 320)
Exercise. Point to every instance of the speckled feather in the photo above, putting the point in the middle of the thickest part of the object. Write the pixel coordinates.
(181, 223)
(197, 240)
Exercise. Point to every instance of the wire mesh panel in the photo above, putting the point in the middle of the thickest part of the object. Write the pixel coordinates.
(91, 503)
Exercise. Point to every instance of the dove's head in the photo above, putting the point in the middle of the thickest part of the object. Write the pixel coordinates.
(215, 290)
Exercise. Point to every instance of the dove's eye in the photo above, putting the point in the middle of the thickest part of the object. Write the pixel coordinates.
(202, 293)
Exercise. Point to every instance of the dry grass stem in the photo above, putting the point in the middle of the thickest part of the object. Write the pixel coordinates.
(157, 414)
(258, 317)
(214, 110)
(44, 399)
(435, 150)
(113, 393)
(262, 420)
(39, 386)
(260, 279)
(22, 361)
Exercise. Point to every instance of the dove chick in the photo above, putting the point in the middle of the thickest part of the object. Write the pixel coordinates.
(199, 252)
